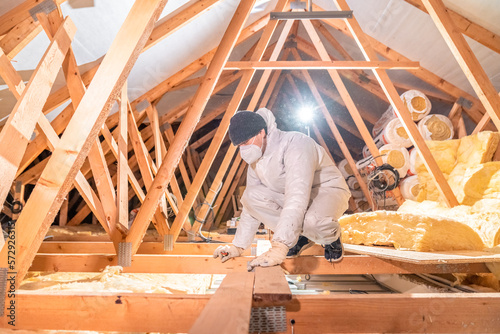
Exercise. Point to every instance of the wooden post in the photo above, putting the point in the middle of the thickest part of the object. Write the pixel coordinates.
(81, 132)
(121, 179)
(188, 125)
(401, 110)
(21, 122)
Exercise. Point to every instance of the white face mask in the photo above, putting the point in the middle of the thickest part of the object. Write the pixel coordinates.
(250, 153)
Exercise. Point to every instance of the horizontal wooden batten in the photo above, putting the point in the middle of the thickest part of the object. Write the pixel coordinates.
(151, 312)
(193, 264)
(321, 65)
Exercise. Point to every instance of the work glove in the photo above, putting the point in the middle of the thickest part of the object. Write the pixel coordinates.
(273, 257)
(227, 252)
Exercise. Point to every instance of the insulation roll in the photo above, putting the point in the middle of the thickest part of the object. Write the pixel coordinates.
(410, 187)
(394, 133)
(397, 157)
(413, 159)
(345, 169)
(353, 183)
(357, 194)
(417, 103)
(362, 204)
(436, 127)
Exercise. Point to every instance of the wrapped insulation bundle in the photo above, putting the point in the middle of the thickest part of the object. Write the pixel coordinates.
(413, 158)
(393, 133)
(417, 103)
(410, 188)
(397, 157)
(436, 127)
(345, 169)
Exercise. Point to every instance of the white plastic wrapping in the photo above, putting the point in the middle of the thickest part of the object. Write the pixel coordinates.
(364, 165)
(413, 158)
(436, 127)
(366, 152)
(397, 157)
(410, 188)
(353, 183)
(345, 169)
(394, 133)
(362, 204)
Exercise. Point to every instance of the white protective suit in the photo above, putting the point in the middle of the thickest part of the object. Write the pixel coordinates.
(294, 189)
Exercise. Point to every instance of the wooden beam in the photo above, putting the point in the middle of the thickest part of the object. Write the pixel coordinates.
(187, 126)
(22, 120)
(175, 313)
(20, 36)
(19, 14)
(401, 110)
(319, 65)
(81, 132)
(233, 301)
(466, 59)
(271, 285)
(191, 264)
(11, 77)
(122, 172)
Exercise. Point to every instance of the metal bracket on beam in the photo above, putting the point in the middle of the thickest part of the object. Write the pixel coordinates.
(125, 254)
(467, 104)
(268, 319)
(46, 7)
(168, 242)
(141, 106)
(311, 15)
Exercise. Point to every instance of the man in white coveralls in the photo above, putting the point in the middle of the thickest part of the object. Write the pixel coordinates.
(293, 187)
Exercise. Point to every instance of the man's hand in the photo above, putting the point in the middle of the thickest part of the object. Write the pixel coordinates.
(227, 252)
(273, 257)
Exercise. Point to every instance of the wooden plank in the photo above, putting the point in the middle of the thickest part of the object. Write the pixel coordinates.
(21, 122)
(20, 36)
(424, 257)
(69, 155)
(233, 302)
(271, 285)
(401, 110)
(437, 313)
(194, 264)
(187, 127)
(466, 59)
(320, 65)
(125, 312)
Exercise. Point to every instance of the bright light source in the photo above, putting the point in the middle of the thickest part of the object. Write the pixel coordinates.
(305, 115)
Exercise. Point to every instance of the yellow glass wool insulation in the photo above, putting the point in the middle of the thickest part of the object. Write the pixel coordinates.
(483, 217)
(454, 157)
(112, 279)
(481, 182)
(408, 231)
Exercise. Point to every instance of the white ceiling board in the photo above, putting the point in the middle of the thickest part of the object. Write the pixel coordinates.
(486, 13)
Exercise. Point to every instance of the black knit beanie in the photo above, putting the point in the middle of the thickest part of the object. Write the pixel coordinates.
(245, 125)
